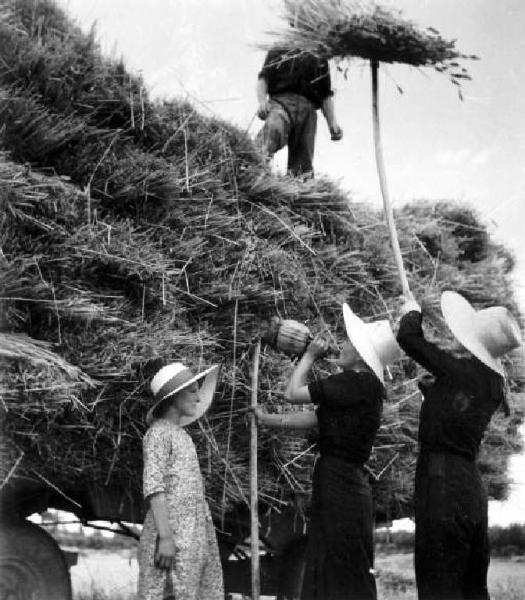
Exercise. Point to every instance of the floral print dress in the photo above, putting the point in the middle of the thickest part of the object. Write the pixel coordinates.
(171, 466)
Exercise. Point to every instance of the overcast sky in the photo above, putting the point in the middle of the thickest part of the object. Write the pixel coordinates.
(436, 147)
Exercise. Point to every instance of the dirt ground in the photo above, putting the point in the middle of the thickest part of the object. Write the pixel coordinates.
(101, 575)
(105, 575)
(396, 577)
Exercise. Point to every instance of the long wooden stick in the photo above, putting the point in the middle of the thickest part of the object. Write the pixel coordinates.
(389, 213)
(254, 505)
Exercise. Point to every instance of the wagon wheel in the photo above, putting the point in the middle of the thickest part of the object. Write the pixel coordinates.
(32, 566)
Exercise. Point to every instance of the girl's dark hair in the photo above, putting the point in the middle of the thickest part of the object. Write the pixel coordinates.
(151, 367)
(164, 406)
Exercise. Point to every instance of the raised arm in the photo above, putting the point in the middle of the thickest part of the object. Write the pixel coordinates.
(297, 389)
(412, 340)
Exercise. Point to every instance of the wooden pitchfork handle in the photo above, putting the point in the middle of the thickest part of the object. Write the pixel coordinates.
(389, 213)
(254, 505)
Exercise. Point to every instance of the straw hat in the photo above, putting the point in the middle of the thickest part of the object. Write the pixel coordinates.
(175, 377)
(374, 342)
(488, 333)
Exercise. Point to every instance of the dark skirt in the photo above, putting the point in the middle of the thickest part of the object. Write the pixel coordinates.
(340, 553)
(452, 546)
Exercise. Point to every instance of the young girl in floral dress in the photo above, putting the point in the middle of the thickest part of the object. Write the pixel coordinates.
(178, 555)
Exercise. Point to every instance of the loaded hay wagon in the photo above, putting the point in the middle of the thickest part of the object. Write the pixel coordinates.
(133, 231)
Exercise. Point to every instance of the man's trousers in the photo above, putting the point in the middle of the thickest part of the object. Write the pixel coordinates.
(292, 122)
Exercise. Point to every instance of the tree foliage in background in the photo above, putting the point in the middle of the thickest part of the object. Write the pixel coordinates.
(134, 230)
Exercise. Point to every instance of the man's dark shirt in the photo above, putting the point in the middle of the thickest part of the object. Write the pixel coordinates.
(459, 403)
(305, 75)
(349, 413)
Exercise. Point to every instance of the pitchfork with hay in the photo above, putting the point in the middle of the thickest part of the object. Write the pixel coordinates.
(339, 29)
(346, 29)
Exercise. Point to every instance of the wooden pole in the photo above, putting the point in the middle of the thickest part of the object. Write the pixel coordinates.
(389, 213)
(254, 505)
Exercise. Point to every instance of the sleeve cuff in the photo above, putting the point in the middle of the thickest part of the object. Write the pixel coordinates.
(409, 307)
(316, 392)
(148, 492)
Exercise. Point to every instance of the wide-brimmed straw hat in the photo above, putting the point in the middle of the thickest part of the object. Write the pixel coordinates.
(375, 342)
(488, 333)
(175, 377)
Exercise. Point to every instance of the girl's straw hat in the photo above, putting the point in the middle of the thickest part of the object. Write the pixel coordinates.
(175, 377)
(488, 333)
(374, 342)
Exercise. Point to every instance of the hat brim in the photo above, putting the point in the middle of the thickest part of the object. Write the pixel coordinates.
(460, 316)
(359, 336)
(206, 392)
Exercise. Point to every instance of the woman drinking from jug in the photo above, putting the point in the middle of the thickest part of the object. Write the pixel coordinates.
(340, 551)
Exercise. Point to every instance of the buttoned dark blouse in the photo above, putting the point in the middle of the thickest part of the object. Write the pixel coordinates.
(304, 74)
(459, 403)
(349, 407)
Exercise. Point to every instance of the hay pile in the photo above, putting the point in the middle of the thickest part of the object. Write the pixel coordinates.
(133, 230)
(342, 29)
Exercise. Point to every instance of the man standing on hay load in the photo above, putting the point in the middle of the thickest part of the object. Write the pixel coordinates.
(340, 551)
(178, 555)
(289, 92)
(467, 387)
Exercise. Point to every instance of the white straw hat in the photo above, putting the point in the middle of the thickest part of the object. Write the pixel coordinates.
(375, 342)
(175, 377)
(488, 333)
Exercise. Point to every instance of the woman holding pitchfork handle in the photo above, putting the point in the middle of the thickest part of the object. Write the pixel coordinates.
(340, 554)
(451, 549)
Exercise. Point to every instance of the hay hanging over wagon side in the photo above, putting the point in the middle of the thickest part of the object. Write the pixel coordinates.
(345, 29)
(148, 230)
(292, 254)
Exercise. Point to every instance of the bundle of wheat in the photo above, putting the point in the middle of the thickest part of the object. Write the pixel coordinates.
(343, 29)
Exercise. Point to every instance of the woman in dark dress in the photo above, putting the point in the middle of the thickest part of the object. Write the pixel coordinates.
(340, 552)
(467, 387)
